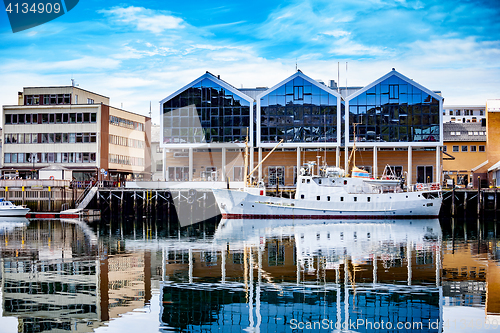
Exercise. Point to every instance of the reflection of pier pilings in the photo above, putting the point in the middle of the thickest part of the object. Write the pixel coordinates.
(177, 207)
(470, 203)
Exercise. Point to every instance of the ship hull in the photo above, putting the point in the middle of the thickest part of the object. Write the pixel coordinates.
(235, 204)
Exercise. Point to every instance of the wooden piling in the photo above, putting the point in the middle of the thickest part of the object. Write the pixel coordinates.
(453, 199)
(465, 203)
(121, 203)
(478, 196)
(135, 204)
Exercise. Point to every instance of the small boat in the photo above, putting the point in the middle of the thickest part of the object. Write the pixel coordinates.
(7, 208)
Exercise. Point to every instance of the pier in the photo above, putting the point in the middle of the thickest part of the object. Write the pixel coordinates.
(158, 199)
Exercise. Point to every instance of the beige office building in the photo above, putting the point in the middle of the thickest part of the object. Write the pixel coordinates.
(77, 130)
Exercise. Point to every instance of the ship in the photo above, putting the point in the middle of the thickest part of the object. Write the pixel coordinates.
(329, 193)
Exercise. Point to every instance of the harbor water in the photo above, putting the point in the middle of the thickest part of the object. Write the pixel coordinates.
(123, 274)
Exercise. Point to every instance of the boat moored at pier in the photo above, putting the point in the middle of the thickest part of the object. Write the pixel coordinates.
(330, 194)
(7, 208)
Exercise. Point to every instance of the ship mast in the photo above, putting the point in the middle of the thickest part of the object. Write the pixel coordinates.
(353, 152)
(245, 171)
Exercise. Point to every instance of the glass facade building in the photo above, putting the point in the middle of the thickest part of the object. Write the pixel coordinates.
(207, 111)
(394, 110)
(299, 110)
(393, 113)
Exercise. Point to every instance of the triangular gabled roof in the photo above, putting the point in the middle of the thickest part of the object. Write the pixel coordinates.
(399, 75)
(214, 79)
(303, 76)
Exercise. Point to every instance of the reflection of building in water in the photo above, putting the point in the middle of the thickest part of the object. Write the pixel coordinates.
(471, 275)
(329, 265)
(54, 278)
(190, 306)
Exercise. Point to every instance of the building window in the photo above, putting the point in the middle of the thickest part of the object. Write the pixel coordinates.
(452, 133)
(298, 93)
(455, 149)
(464, 148)
(481, 148)
(444, 148)
(458, 113)
(424, 174)
(451, 112)
(481, 112)
(473, 149)
(159, 165)
(238, 173)
(394, 91)
(276, 173)
(90, 101)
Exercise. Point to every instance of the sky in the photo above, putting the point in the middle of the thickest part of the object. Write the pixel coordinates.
(139, 52)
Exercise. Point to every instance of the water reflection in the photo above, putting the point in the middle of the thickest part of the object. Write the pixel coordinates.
(269, 274)
(258, 275)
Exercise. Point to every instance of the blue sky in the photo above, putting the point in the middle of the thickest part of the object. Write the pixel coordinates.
(141, 51)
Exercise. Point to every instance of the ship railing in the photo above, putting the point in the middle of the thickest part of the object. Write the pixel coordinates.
(418, 187)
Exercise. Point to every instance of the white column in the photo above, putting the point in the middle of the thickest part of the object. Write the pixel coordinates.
(223, 265)
(438, 165)
(223, 164)
(165, 164)
(375, 268)
(257, 292)
(190, 272)
(337, 157)
(438, 263)
(260, 166)
(346, 292)
(409, 175)
(163, 264)
(298, 161)
(346, 160)
(251, 160)
(190, 164)
(409, 247)
(375, 163)
(250, 281)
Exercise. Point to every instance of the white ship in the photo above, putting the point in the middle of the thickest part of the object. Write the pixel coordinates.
(328, 194)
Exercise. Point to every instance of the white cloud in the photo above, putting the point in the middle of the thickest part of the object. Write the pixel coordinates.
(144, 19)
(337, 33)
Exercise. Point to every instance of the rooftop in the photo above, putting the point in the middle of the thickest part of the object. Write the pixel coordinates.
(464, 132)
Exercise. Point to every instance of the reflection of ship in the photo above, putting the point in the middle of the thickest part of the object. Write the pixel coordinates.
(7, 208)
(8, 223)
(328, 262)
(362, 240)
(328, 194)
